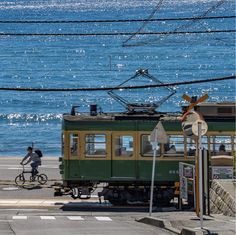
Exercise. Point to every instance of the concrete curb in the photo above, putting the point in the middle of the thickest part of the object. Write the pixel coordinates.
(191, 231)
(161, 223)
(165, 224)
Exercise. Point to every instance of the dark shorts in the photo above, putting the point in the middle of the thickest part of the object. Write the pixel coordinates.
(35, 164)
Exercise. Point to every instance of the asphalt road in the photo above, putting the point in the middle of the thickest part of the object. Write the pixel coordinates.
(10, 167)
(43, 222)
(63, 218)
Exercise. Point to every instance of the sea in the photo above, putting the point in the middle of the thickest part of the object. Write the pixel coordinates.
(57, 60)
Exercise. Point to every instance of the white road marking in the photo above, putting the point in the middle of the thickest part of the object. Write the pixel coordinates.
(41, 202)
(72, 218)
(18, 209)
(14, 168)
(47, 217)
(103, 218)
(30, 202)
(5, 201)
(10, 188)
(4, 166)
(78, 218)
(19, 217)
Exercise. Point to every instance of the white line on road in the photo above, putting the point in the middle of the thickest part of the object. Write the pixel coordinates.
(103, 218)
(16, 167)
(78, 218)
(19, 209)
(71, 218)
(47, 217)
(19, 217)
(10, 188)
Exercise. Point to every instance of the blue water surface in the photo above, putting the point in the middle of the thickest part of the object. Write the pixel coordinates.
(99, 61)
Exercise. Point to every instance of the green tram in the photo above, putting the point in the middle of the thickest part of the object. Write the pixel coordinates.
(114, 150)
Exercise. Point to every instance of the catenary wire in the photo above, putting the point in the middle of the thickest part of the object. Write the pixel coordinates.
(184, 26)
(158, 6)
(120, 33)
(112, 21)
(21, 89)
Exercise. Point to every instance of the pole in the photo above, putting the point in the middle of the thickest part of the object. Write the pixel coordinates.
(200, 171)
(153, 178)
(197, 179)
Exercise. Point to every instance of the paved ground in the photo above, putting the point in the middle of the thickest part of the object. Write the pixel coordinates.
(10, 167)
(43, 222)
(34, 210)
(216, 224)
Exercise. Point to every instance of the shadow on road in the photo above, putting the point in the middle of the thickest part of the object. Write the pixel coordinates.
(103, 207)
(31, 187)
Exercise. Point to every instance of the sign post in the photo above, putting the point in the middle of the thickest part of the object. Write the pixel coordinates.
(158, 135)
(199, 128)
(195, 126)
(200, 172)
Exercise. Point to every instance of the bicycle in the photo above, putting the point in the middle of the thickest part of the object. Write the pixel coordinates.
(21, 178)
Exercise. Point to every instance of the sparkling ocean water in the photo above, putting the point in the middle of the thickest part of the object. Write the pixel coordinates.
(67, 62)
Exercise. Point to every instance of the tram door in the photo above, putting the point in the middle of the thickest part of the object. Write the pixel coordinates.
(123, 160)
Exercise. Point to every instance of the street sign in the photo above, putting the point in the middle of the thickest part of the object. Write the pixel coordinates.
(159, 135)
(195, 127)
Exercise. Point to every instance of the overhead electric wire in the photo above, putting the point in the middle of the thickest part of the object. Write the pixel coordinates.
(21, 89)
(119, 33)
(216, 38)
(111, 21)
(184, 26)
(158, 6)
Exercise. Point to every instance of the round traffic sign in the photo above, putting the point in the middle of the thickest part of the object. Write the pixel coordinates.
(197, 124)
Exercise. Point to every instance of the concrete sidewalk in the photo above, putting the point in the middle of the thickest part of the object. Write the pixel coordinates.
(187, 223)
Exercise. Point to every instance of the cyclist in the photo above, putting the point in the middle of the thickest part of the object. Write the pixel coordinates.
(34, 158)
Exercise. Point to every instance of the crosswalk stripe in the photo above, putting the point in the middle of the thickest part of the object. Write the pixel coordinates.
(72, 218)
(103, 218)
(78, 218)
(19, 217)
(47, 217)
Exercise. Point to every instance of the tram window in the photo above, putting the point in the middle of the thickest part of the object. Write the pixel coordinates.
(191, 145)
(146, 147)
(95, 145)
(124, 146)
(175, 147)
(220, 145)
(74, 145)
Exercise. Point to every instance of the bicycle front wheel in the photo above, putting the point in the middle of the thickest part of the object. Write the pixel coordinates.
(42, 179)
(20, 180)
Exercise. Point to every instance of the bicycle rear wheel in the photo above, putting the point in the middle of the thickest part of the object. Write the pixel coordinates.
(20, 180)
(42, 179)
